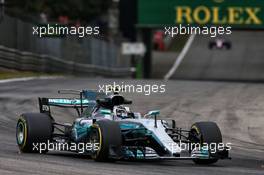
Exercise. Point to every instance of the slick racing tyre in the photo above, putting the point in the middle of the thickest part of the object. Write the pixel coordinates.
(107, 135)
(33, 129)
(205, 132)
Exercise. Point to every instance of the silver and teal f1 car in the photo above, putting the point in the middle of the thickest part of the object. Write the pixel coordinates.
(114, 132)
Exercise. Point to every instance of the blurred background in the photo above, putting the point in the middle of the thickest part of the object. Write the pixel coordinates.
(132, 41)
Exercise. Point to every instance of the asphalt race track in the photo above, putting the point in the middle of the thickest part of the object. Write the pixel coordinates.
(244, 61)
(238, 108)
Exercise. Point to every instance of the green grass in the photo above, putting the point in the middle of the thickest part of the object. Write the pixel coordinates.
(17, 74)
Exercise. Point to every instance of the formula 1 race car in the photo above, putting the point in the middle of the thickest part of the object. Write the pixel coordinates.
(220, 44)
(114, 132)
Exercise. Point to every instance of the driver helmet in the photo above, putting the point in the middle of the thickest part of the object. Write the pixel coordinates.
(121, 112)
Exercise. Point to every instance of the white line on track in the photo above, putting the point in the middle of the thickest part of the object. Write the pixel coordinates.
(180, 57)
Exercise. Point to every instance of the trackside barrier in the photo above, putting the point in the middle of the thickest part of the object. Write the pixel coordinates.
(26, 61)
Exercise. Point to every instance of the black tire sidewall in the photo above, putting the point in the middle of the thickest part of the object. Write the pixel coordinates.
(210, 133)
(38, 129)
(110, 136)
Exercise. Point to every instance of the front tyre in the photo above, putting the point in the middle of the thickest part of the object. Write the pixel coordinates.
(33, 129)
(205, 132)
(107, 135)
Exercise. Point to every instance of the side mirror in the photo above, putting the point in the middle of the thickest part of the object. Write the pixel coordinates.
(105, 112)
(156, 112)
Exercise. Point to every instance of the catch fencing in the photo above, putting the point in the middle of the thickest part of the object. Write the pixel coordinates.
(25, 61)
(21, 50)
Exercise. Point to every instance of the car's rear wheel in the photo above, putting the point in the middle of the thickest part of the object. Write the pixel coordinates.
(107, 135)
(32, 130)
(228, 46)
(206, 132)
(211, 45)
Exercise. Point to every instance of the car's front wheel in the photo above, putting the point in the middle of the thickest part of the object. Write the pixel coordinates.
(107, 135)
(205, 133)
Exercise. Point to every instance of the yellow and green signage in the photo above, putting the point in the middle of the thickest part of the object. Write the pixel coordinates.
(235, 13)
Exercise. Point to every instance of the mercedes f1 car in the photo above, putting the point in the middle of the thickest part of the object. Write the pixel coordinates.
(116, 132)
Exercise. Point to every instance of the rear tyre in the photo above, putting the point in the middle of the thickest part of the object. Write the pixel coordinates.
(206, 132)
(33, 129)
(228, 46)
(211, 45)
(108, 134)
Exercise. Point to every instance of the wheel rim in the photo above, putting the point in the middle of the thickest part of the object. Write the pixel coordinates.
(196, 137)
(20, 133)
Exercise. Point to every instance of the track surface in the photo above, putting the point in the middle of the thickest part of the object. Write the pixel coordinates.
(243, 62)
(238, 109)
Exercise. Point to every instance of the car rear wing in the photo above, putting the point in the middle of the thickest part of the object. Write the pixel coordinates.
(46, 103)
(85, 98)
